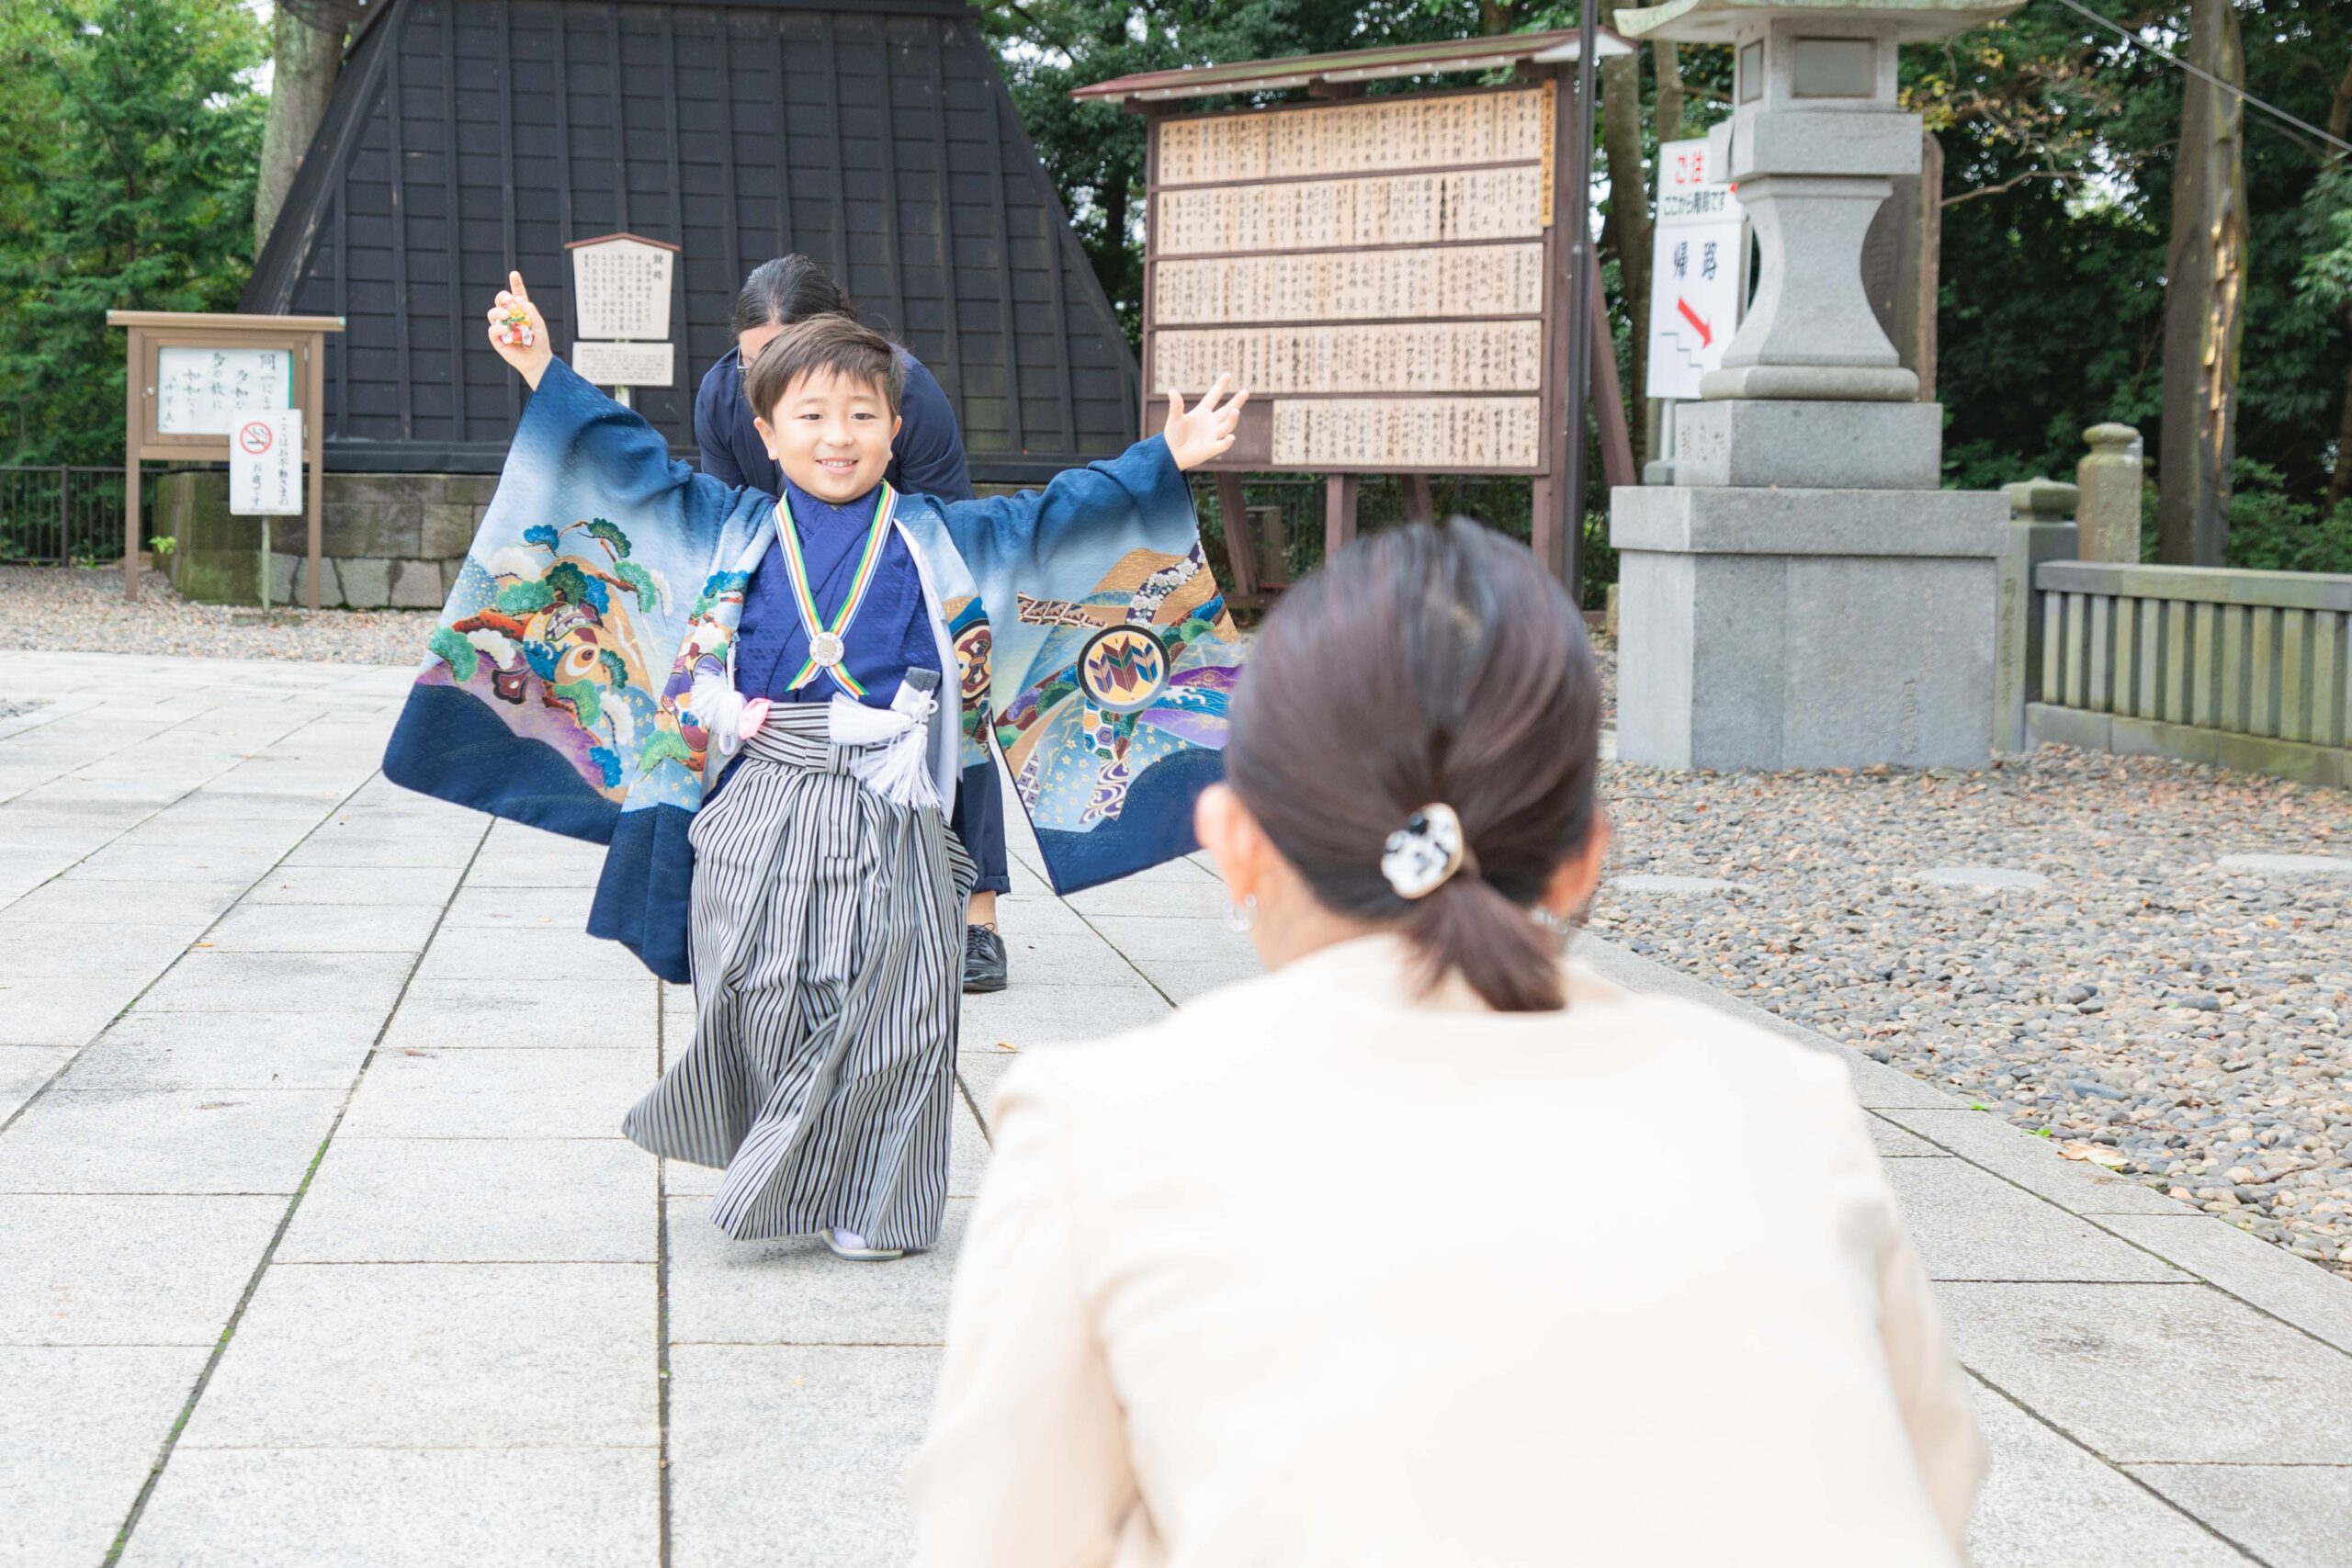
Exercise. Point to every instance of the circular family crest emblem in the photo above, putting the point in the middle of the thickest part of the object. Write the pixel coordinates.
(1123, 668)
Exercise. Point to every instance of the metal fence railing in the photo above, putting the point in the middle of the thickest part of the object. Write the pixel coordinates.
(59, 514)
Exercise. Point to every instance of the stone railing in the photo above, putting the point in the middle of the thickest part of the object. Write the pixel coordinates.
(2249, 669)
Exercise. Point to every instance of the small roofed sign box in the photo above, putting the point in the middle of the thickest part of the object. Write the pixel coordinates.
(621, 288)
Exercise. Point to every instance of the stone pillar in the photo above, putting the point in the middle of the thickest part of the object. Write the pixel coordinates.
(2041, 528)
(2111, 483)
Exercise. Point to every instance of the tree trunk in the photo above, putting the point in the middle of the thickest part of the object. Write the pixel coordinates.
(1667, 63)
(1627, 233)
(2339, 481)
(302, 77)
(2204, 299)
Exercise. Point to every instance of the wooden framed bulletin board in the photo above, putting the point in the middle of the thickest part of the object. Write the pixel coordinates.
(189, 373)
(1383, 273)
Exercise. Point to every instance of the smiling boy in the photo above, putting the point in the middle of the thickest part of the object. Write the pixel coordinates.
(774, 804)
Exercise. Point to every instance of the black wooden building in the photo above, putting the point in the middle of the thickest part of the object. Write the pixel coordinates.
(467, 136)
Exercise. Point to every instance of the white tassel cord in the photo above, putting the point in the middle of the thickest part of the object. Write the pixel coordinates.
(898, 767)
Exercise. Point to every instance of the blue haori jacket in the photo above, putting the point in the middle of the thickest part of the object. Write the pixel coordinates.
(1080, 619)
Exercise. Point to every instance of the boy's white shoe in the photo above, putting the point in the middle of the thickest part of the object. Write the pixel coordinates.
(852, 1246)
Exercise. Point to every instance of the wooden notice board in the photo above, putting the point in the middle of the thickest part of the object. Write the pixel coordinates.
(189, 372)
(1386, 277)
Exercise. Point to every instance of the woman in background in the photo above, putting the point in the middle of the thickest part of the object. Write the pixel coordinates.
(1378, 1259)
(927, 459)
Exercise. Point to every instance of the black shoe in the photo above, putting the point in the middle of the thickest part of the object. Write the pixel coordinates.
(983, 959)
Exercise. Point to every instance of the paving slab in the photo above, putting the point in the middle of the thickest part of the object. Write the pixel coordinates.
(492, 958)
(132, 947)
(465, 1093)
(1970, 1224)
(2034, 1163)
(1040, 1015)
(61, 904)
(1142, 937)
(122, 860)
(102, 1269)
(356, 885)
(795, 1454)
(1182, 979)
(2048, 1503)
(408, 850)
(548, 1507)
(476, 1201)
(2148, 1374)
(35, 1010)
(438, 1354)
(2275, 1280)
(24, 1069)
(149, 1052)
(205, 981)
(795, 1293)
(521, 909)
(2291, 1515)
(1893, 1143)
(521, 1015)
(179, 1141)
(326, 928)
(78, 1431)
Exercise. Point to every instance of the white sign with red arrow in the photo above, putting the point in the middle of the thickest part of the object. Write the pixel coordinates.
(1697, 272)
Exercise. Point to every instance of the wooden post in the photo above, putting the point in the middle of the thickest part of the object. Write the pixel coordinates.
(1241, 539)
(314, 421)
(1609, 398)
(1338, 513)
(130, 408)
(1419, 506)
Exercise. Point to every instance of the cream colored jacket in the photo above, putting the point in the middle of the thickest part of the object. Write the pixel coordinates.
(1315, 1272)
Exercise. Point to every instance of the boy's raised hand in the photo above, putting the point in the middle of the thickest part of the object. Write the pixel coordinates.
(1206, 430)
(519, 332)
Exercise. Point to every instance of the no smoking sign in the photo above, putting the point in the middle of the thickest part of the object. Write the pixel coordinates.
(265, 463)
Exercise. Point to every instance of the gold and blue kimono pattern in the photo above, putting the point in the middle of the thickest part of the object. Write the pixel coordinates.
(1088, 633)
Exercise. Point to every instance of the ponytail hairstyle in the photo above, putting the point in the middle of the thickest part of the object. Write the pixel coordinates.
(1431, 665)
(788, 289)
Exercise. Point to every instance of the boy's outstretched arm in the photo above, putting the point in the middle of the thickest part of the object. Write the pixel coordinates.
(1010, 535)
(582, 451)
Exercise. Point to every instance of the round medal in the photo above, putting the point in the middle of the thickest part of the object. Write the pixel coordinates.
(826, 649)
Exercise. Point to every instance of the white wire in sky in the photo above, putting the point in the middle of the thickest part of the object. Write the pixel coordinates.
(2239, 92)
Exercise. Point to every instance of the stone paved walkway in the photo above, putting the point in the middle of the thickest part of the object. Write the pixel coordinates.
(322, 1246)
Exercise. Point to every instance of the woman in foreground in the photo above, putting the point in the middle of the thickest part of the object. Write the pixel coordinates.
(1425, 1248)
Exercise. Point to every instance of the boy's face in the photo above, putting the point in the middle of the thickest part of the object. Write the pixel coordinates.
(831, 434)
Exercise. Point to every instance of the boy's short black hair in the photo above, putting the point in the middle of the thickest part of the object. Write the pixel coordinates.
(819, 345)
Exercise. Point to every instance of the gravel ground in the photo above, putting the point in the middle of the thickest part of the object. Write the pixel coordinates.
(54, 608)
(2148, 1008)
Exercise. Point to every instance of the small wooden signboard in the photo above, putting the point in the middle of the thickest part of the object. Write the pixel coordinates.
(187, 377)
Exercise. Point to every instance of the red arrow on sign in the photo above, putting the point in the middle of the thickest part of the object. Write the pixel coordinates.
(1706, 333)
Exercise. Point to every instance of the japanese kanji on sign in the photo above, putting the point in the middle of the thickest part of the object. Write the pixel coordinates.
(1698, 271)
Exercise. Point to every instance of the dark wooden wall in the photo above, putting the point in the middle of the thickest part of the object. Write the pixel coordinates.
(467, 136)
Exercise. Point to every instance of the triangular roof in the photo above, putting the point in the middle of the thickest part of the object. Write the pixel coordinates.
(748, 130)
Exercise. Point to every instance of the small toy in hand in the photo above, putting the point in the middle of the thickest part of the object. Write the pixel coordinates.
(517, 331)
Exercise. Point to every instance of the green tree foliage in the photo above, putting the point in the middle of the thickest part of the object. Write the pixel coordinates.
(127, 140)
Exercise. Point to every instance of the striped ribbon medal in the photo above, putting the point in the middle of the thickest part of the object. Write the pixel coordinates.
(829, 644)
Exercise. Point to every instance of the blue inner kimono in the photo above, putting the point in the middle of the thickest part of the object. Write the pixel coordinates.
(890, 636)
(1079, 622)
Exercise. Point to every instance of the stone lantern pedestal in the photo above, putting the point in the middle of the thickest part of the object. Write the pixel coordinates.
(1804, 595)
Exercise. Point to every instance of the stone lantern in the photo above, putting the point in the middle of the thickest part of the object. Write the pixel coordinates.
(1803, 594)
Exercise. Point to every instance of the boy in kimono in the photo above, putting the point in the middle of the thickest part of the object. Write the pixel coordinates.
(770, 763)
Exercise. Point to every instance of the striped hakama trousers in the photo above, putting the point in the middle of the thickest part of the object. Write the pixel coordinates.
(826, 943)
